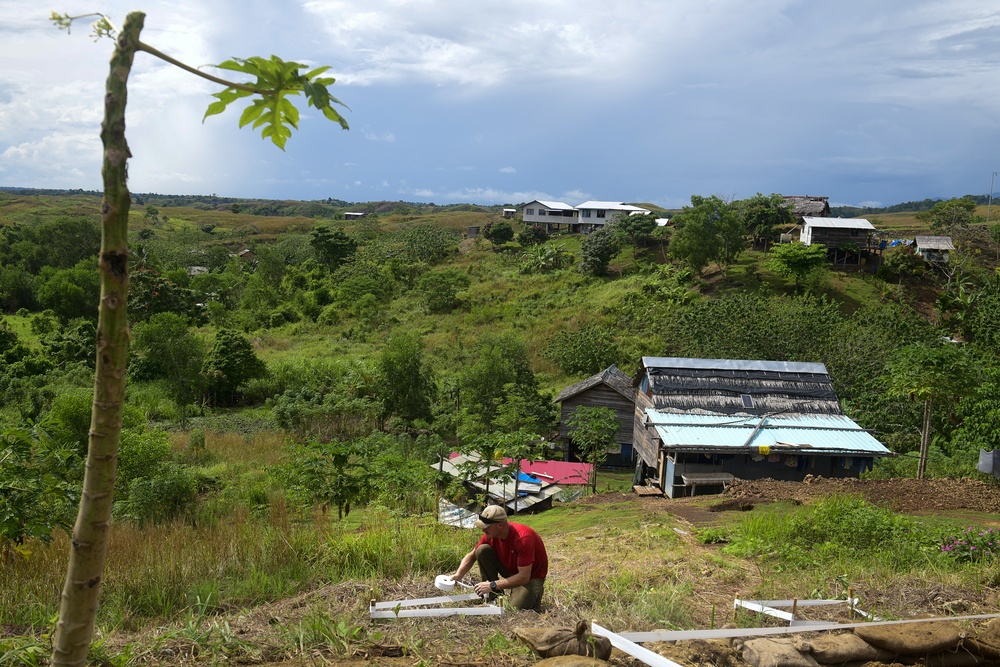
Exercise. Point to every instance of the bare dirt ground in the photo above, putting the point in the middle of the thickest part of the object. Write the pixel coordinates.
(909, 496)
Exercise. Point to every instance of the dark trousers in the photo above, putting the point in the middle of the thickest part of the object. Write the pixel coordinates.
(528, 596)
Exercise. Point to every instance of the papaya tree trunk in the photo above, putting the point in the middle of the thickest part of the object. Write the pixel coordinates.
(925, 439)
(78, 607)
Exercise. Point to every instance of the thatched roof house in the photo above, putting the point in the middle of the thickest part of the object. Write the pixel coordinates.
(704, 422)
(807, 205)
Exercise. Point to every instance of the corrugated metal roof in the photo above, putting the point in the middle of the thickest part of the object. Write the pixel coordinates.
(499, 489)
(612, 206)
(839, 223)
(733, 365)
(935, 243)
(801, 434)
(554, 205)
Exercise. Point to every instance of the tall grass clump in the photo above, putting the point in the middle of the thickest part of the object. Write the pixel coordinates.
(159, 570)
(627, 597)
(387, 547)
(845, 531)
(264, 447)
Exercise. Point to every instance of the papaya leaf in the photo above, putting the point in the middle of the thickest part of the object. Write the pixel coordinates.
(277, 79)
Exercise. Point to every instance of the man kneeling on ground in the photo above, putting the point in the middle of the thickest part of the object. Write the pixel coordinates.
(511, 557)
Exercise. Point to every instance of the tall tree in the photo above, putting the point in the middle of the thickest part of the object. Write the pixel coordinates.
(498, 232)
(763, 215)
(597, 250)
(902, 260)
(951, 216)
(166, 349)
(332, 246)
(919, 372)
(501, 369)
(276, 81)
(406, 382)
(635, 230)
(709, 230)
(231, 362)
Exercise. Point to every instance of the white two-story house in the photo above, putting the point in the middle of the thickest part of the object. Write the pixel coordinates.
(594, 214)
(549, 215)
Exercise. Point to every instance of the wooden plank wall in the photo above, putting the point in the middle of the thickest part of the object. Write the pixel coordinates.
(644, 440)
(601, 396)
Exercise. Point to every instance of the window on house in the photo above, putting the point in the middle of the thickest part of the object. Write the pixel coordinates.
(585, 213)
(541, 211)
(819, 231)
(600, 214)
(747, 401)
(855, 232)
(529, 211)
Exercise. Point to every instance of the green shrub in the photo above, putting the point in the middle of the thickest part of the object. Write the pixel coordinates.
(842, 530)
(441, 288)
(39, 488)
(140, 454)
(164, 496)
(589, 350)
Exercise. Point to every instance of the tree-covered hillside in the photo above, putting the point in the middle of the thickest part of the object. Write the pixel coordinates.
(398, 325)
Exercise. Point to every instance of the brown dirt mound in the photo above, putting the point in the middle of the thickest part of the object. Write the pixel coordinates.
(735, 505)
(912, 496)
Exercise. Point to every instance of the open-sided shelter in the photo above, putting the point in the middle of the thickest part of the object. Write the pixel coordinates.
(934, 249)
(700, 423)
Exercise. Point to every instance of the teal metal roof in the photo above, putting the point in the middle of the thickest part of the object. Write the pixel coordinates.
(801, 433)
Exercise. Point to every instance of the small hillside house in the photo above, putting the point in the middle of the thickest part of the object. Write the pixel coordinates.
(700, 423)
(934, 249)
(847, 240)
(611, 388)
(550, 215)
(594, 214)
(835, 232)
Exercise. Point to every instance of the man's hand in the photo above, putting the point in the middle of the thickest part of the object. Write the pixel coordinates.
(482, 588)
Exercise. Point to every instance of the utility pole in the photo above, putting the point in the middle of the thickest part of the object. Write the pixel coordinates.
(989, 202)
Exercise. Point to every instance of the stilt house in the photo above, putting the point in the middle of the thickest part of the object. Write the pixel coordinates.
(700, 423)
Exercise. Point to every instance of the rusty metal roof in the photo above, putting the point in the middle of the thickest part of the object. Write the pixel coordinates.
(611, 376)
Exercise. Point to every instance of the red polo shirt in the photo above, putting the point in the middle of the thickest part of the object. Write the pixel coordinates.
(523, 546)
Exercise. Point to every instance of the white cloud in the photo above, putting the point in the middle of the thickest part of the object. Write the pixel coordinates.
(633, 100)
(387, 137)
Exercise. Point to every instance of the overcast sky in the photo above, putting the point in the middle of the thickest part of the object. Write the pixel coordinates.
(505, 101)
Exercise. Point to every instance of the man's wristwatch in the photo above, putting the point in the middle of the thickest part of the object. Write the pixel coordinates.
(493, 586)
